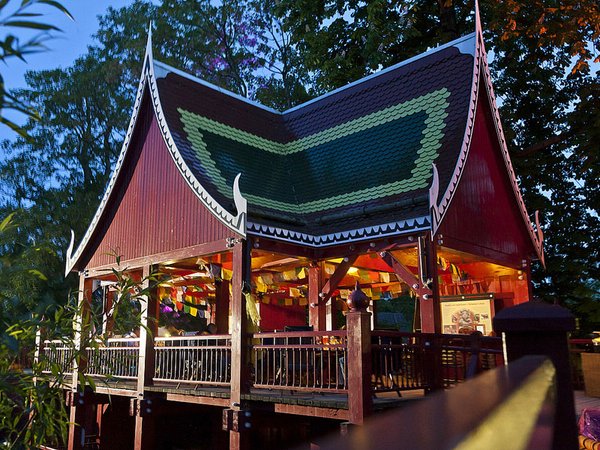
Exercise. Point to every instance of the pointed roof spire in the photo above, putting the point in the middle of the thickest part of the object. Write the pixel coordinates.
(478, 29)
(149, 40)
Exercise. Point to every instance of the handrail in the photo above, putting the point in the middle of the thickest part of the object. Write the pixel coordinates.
(204, 359)
(301, 360)
(510, 404)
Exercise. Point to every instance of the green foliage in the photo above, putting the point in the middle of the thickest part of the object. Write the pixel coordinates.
(22, 18)
(542, 64)
(32, 410)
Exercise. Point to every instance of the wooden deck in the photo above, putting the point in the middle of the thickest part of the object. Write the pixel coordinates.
(583, 401)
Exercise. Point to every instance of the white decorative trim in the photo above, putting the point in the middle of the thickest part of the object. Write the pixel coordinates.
(237, 223)
(355, 235)
(434, 191)
(536, 237)
(481, 67)
(71, 259)
(441, 208)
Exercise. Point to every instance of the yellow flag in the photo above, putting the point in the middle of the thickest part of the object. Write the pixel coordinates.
(226, 274)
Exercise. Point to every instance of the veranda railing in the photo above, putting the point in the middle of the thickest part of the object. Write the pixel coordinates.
(193, 359)
(404, 361)
(113, 358)
(57, 357)
(305, 360)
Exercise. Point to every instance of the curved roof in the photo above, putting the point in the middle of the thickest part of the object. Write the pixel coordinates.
(356, 158)
(367, 160)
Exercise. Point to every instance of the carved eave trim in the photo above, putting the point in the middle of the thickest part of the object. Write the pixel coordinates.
(536, 236)
(438, 209)
(408, 226)
(73, 258)
(236, 223)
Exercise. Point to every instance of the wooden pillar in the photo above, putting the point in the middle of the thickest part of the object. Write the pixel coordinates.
(358, 321)
(146, 358)
(536, 328)
(222, 306)
(429, 304)
(238, 437)
(317, 310)
(80, 331)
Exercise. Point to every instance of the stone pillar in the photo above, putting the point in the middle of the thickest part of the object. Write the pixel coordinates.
(358, 321)
(536, 328)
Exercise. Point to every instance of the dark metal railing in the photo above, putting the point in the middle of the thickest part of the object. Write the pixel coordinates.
(113, 358)
(399, 361)
(195, 359)
(306, 360)
(463, 356)
(404, 361)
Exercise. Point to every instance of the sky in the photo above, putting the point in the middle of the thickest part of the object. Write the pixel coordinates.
(64, 49)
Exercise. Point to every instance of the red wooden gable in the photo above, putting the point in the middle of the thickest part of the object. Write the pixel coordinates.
(484, 216)
(152, 209)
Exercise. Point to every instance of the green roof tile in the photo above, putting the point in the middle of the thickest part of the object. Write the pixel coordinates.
(325, 168)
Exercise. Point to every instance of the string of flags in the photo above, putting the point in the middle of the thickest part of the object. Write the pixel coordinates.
(453, 268)
(198, 300)
(192, 300)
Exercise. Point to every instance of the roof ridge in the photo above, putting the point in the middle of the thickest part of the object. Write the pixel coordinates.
(460, 43)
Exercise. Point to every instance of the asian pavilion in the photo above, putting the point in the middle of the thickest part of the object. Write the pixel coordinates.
(262, 223)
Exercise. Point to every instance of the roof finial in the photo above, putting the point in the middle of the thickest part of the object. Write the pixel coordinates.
(149, 40)
(477, 18)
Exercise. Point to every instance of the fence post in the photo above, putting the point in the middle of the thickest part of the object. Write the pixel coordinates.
(536, 328)
(358, 322)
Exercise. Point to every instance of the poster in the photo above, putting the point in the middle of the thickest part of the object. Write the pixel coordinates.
(467, 316)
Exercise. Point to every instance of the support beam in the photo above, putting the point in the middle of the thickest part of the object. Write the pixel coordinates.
(316, 310)
(431, 319)
(148, 329)
(405, 275)
(206, 248)
(238, 439)
(221, 318)
(340, 272)
(80, 325)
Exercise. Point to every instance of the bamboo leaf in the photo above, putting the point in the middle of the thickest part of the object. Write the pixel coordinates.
(58, 6)
(30, 25)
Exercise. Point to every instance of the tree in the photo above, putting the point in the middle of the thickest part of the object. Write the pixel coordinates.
(11, 47)
(543, 75)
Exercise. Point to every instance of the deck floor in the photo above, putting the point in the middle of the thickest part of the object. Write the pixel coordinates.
(583, 401)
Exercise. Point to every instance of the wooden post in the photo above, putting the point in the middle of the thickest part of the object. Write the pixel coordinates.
(238, 438)
(146, 357)
(358, 321)
(222, 306)
(317, 316)
(429, 304)
(76, 404)
(536, 328)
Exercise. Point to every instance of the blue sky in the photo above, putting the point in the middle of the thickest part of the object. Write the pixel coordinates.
(65, 48)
